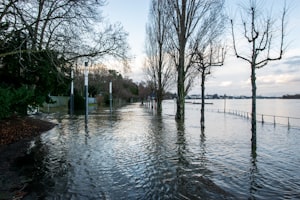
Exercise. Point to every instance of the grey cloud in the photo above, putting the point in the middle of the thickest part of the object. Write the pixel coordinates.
(295, 60)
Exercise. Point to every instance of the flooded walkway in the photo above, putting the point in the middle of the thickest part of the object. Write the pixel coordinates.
(135, 154)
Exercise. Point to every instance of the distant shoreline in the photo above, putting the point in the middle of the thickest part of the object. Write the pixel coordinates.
(296, 96)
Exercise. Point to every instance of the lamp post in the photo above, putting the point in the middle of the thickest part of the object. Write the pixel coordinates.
(86, 91)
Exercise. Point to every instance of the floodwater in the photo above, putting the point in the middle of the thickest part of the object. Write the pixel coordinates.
(135, 154)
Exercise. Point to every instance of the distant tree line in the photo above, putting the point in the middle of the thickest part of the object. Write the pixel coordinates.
(296, 96)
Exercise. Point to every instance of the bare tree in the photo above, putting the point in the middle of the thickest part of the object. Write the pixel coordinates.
(260, 33)
(158, 68)
(208, 49)
(205, 58)
(73, 28)
(188, 17)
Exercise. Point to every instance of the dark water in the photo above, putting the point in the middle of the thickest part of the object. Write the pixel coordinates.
(135, 154)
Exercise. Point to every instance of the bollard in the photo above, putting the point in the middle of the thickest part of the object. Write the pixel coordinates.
(262, 119)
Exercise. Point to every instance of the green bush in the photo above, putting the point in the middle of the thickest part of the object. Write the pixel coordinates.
(79, 102)
(15, 100)
(22, 97)
(6, 97)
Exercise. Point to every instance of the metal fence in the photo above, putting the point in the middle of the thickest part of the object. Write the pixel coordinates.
(290, 122)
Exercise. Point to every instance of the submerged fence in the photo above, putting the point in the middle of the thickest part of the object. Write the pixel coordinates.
(290, 122)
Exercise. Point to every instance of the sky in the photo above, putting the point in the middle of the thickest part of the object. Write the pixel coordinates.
(233, 78)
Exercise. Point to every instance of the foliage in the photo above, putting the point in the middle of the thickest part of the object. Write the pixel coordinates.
(6, 97)
(38, 48)
(15, 100)
(79, 102)
(41, 72)
(100, 77)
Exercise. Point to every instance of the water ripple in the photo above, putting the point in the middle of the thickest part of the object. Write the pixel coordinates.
(134, 154)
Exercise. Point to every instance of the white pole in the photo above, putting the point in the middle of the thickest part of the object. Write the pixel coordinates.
(86, 75)
(72, 93)
(224, 103)
(110, 95)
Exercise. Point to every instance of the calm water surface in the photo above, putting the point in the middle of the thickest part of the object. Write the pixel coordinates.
(135, 154)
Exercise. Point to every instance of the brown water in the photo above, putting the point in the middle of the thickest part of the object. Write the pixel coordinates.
(135, 154)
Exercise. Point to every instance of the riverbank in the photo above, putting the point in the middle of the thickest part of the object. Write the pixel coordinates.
(15, 135)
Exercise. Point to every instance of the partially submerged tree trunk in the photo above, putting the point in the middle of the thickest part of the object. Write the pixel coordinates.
(202, 119)
(188, 18)
(157, 67)
(181, 79)
(206, 56)
(259, 33)
(253, 112)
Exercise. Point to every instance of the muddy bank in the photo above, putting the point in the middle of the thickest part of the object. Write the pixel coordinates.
(15, 136)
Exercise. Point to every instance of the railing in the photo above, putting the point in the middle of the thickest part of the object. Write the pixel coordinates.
(290, 122)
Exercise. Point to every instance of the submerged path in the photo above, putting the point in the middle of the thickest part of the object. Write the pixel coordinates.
(135, 154)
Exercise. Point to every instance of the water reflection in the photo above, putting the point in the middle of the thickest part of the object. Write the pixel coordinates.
(181, 144)
(86, 130)
(253, 175)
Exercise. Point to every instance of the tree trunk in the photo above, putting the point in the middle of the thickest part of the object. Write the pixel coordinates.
(160, 87)
(253, 114)
(180, 92)
(202, 99)
(159, 98)
(181, 65)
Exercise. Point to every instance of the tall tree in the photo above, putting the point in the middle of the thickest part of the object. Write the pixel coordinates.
(188, 17)
(208, 50)
(158, 68)
(260, 32)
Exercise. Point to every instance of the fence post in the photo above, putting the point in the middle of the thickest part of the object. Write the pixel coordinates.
(289, 126)
(274, 121)
(262, 119)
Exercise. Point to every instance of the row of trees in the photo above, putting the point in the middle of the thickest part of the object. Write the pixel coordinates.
(185, 37)
(41, 40)
(183, 41)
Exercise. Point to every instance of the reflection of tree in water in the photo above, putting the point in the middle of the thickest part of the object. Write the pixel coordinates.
(253, 175)
(203, 159)
(193, 180)
(182, 181)
(181, 145)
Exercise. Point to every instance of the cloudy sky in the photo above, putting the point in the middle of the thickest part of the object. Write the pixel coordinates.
(277, 78)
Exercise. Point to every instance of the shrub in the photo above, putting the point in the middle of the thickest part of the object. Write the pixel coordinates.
(5, 102)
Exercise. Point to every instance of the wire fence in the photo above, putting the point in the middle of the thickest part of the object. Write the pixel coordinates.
(290, 122)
